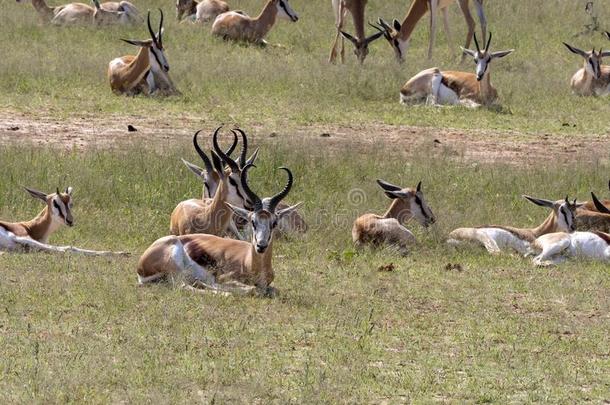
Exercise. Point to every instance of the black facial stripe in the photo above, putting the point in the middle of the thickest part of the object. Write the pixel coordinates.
(565, 217)
(207, 188)
(156, 57)
(419, 202)
(283, 6)
(58, 209)
(234, 184)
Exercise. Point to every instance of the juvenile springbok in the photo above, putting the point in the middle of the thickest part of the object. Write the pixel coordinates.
(361, 41)
(596, 219)
(147, 72)
(241, 27)
(399, 35)
(34, 234)
(204, 11)
(496, 238)
(222, 265)
(437, 87)
(593, 78)
(407, 203)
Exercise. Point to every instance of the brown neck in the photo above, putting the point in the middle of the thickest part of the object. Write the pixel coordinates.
(548, 226)
(264, 22)
(399, 210)
(357, 11)
(261, 267)
(220, 211)
(41, 227)
(588, 78)
(417, 10)
(43, 9)
(485, 89)
(137, 68)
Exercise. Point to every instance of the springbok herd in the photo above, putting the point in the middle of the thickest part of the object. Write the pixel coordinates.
(208, 246)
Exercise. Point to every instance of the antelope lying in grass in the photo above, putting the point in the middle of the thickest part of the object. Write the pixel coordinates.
(450, 87)
(596, 219)
(204, 11)
(593, 78)
(122, 12)
(34, 234)
(222, 265)
(557, 247)
(496, 238)
(147, 72)
(102, 16)
(407, 203)
(241, 27)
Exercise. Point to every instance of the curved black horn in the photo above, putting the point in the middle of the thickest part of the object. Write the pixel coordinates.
(257, 204)
(476, 42)
(599, 205)
(208, 164)
(488, 42)
(57, 191)
(160, 33)
(150, 30)
(233, 146)
(244, 146)
(234, 167)
(275, 200)
(419, 186)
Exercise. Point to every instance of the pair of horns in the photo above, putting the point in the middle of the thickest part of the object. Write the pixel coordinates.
(157, 39)
(206, 161)
(271, 203)
(476, 42)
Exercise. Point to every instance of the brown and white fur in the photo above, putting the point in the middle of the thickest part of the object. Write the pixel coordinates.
(241, 27)
(122, 12)
(593, 79)
(360, 41)
(201, 12)
(399, 35)
(595, 219)
(497, 238)
(145, 73)
(34, 234)
(389, 229)
(437, 87)
(217, 264)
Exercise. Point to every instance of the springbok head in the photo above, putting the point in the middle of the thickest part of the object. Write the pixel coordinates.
(263, 216)
(482, 58)
(412, 200)
(391, 34)
(154, 45)
(59, 204)
(592, 59)
(361, 46)
(284, 11)
(564, 211)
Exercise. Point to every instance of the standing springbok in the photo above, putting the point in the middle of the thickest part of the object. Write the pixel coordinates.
(437, 87)
(147, 72)
(407, 203)
(593, 78)
(399, 36)
(225, 265)
(241, 27)
(204, 11)
(496, 238)
(34, 234)
(360, 42)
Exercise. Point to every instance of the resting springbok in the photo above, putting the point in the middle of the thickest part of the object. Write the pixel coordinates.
(204, 11)
(596, 219)
(222, 265)
(147, 72)
(496, 238)
(34, 234)
(593, 78)
(557, 247)
(388, 229)
(122, 12)
(399, 36)
(241, 27)
(361, 41)
(438, 87)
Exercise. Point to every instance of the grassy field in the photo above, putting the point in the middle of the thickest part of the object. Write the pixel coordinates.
(62, 70)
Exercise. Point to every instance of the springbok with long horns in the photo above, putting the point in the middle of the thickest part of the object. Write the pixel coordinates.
(438, 87)
(389, 229)
(238, 26)
(497, 238)
(218, 264)
(201, 12)
(593, 79)
(34, 234)
(147, 72)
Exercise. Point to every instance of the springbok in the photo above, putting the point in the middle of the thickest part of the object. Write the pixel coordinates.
(399, 35)
(66, 14)
(557, 247)
(596, 219)
(34, 234)
(451, 87)
(496, 238)
(147, 72)
(407, 203)
(204, 11)
(361, 41)
(102, 16)
(222, 265)
(593, 78)
(241, 27)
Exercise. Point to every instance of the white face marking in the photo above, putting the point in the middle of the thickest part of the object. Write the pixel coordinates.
(482, 62)
(400, 49)
(158, 61)
(420, 210)
(565, 218)
(263, 223)
(285, 12)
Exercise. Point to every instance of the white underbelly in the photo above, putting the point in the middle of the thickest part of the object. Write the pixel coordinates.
(587, 244)
(503, 239)
(6, 240)
(116, 64)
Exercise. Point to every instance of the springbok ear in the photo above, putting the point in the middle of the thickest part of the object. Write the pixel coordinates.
(576, 50)
(285, 211)
(604, 54)
(137, 42)
(397, 194)
(599, 205)
(501, 54)
(468, 52)
(397, 25)
(387, 186)
(373, 37)
(349, 37)
(252, 158)
(69, 191)
(37, 194)
(539, 201)
(240, 212)
(218, 165)
(199, 172)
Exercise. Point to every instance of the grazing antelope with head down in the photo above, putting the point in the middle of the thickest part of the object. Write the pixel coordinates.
(451, 87)
(360, 41)
(388, 229)
(204, 11)
(496, 238)
(147, 72)
(593, 78)
(34, 234)
(241, 27)
(219, 264)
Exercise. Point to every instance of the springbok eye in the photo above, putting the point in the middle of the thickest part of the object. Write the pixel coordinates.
(274, 224)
